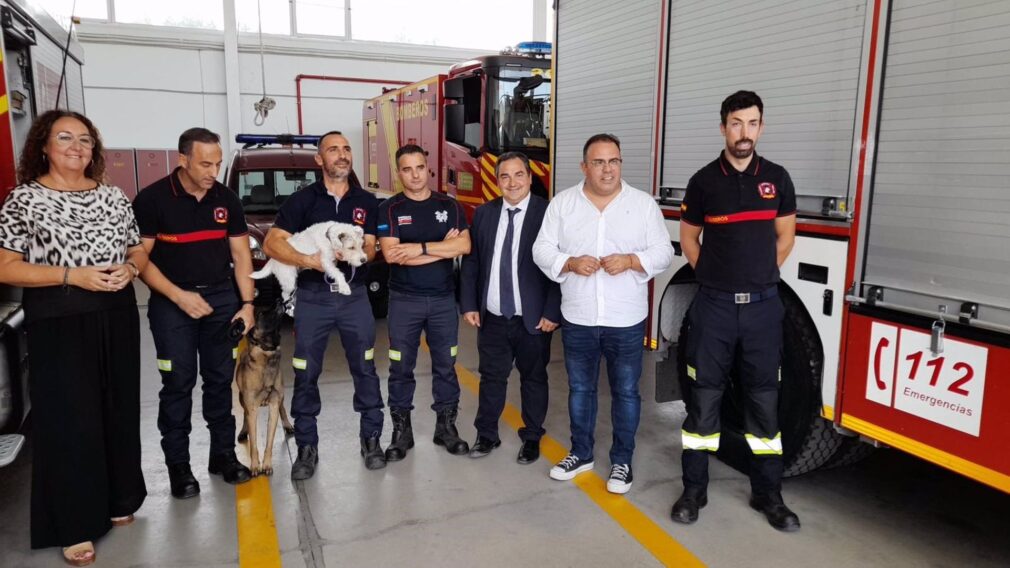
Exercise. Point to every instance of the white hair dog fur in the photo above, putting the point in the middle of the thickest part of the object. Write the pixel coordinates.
(328, 239)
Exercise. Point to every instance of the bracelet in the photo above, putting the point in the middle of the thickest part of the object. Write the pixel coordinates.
(133, 268)
(424, 248)
(247, 302)
(66, 278)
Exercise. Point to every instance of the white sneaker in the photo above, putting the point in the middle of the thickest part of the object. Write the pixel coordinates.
(569, 467)
(620, 478)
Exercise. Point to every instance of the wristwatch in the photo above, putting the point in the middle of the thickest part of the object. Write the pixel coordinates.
(424, 248)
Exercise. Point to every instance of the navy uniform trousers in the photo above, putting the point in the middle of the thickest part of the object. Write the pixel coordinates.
(318, 311)
(185, 345)
(438, 317)
(720, 331)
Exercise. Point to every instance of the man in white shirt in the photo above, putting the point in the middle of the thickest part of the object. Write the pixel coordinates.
(603, 240)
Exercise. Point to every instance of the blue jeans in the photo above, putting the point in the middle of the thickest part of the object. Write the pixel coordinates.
(622, 348)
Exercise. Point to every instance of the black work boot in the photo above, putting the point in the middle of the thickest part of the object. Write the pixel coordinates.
(226, 465)
(403, 436)
(182, 482)
(446, 433)
(305, 464)
(685, 510)
(372, 452)
(775, 510)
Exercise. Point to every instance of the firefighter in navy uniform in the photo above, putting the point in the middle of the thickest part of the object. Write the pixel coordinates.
(420, 233)
(195, 231)
(746, 206)
(319, 309)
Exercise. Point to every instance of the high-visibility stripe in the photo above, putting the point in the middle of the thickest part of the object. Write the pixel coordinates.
(490, 187)
(692, 372)
(765, 446)
(299, 364)
(194, 237)
(454, 350)
(394, 355)
(369, 354)
(743, 216)
(536, 168)
(165, 365)
(3, 104)
(234, 352)
(692, 441)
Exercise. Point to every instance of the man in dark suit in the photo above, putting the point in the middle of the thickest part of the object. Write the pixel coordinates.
(513, 304)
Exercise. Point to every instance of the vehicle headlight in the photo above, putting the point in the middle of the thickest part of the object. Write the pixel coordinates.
(257, 250)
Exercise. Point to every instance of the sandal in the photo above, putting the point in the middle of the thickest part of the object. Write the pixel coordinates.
(122, 521)
(80, 554)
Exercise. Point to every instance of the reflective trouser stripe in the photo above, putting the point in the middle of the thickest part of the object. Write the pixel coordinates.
(691, 441)
(765, 446)
(164, 365)
(299, 364)
(692, 372)
(454, 350)
(234, 352)
(394, 355)
(369, 354)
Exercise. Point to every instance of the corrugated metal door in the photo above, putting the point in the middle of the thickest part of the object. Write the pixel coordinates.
(939, 224)
(606, 82)
(801, 56)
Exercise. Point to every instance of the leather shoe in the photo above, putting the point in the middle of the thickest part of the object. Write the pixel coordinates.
(685, 510)
(305, 465)
(775, 510)
(529, 452)
(228, 467)
(372, 452)
(483, 447)
(182, 482)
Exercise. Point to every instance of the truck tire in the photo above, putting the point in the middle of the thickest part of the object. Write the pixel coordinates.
(808, 441)
(852, 451)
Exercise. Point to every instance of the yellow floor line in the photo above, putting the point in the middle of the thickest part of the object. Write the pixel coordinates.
(258, 546)
(650, 535)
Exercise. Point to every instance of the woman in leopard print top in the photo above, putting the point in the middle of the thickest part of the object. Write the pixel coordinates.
(72, 243)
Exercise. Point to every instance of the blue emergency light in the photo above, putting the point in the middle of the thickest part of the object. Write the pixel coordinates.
(280, 139)
(534, 47)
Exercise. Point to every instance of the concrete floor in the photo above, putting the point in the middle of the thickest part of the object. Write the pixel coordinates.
(434, 509)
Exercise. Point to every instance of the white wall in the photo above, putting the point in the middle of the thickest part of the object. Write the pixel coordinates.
(144, 85)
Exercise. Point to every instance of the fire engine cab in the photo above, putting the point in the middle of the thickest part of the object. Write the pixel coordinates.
(464, 120)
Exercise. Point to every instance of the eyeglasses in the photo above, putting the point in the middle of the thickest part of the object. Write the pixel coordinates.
(66, 139)
(598, 164)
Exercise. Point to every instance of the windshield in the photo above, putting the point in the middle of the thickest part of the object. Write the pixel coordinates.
(519, 109)
(263, 191)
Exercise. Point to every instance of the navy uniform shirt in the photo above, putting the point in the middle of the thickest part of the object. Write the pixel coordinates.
(192, 245)
(425, 221)
(738, 212)
(313, 204)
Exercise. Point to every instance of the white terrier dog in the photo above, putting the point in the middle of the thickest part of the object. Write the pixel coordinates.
(328, 239)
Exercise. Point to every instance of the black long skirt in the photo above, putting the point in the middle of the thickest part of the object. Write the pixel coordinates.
(85, 392)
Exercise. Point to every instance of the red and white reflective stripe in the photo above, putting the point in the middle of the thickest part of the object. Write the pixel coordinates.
(194, 237)
(765, 215)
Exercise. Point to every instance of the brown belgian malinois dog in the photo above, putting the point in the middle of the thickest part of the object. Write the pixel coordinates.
(258, 376)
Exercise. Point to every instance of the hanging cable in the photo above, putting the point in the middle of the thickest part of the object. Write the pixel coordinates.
(66, 51)
(266, 104)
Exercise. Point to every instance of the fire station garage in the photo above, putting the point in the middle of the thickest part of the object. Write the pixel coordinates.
(256, 308)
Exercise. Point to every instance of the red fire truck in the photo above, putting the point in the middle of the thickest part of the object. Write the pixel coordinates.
(41, 71)
(891, 117)
(464, 120)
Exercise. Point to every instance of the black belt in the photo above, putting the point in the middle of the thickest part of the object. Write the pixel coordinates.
(741, 297)
(227, 283)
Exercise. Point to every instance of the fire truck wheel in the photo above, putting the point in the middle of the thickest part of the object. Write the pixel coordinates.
(852, 451)
(808, 440)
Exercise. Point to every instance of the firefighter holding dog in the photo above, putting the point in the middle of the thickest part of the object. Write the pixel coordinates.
(320, 309)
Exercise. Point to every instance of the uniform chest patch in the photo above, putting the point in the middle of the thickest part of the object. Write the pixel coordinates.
(221, 214)
(767, 190)
(359, 216)
(404, 220)
(442, 216)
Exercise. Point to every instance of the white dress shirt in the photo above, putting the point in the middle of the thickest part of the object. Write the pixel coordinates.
(630, 224)
(493, 287)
